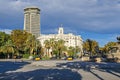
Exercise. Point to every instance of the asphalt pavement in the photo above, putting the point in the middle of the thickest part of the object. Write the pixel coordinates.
(58, 70)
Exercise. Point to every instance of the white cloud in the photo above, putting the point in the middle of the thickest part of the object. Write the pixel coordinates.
(18, 4)
(84, 14)
(8, 31)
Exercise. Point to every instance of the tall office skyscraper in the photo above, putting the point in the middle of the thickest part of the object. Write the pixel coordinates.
(32, 20)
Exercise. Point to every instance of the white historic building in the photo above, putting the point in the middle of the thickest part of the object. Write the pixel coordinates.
(70, 39)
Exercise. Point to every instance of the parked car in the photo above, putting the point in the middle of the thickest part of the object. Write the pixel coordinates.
(70, 58)
(37, 58)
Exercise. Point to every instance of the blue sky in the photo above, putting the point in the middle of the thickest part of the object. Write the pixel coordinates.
(94, 19)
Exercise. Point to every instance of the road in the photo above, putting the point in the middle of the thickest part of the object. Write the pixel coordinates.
(58, 70)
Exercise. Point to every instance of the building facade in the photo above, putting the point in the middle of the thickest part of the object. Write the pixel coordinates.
(70, 39)
(32, 20)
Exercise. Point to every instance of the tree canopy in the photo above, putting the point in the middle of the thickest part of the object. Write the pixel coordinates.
(4, 38)
(89, 46)
(108, 46)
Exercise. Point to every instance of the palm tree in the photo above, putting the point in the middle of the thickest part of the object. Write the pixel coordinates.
(47, 46)
(108, 47)
(89, 46)
(8, 48)
(71, 51)
(56, 46)
(60, 45)
(78, 51)
(38, 47)
(30, 44)
(52, 43)
(53, 46)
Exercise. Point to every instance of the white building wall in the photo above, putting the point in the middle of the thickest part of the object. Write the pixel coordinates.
(70, 39)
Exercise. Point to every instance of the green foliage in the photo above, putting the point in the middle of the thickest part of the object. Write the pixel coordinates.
(60, 47)
(71, 51)
(4, 38)
(19, 42)
(30, 44)
(108, 46)
(56, 46)
(77, 49)
(26, 56)
(118, 39)
(24, 41)
(47, 44)
(55, 52)
(5, 44)
(8, 47)
(90, 45)
(45, 58)
(19, 38)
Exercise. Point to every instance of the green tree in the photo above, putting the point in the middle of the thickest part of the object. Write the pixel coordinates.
(89, 46)
(47, 46)
(4, 38)
(31, 44)
(19, 38)
(52, 43)
(39, 48)
(78, 52)
(56, 46)
(109, 46)
(60, 46)
(8, 49)
(71, 51)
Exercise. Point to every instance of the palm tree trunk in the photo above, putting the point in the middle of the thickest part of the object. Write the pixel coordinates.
(59, 53)
(48, 53)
